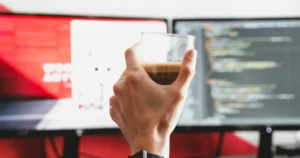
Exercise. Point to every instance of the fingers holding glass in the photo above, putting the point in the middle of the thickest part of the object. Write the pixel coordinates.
(131, 57)
(187, 70)
(116, 111)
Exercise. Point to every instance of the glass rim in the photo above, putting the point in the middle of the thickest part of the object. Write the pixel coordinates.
(169, 34)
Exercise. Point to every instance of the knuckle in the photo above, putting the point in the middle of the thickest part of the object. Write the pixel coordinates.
(117, 89)
(133, 78)
(114, 102)
(111, 101)
(112, 114)
(188, 70)
(178, 94)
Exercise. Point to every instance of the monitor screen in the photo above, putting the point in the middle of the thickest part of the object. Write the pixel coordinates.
(247, 72)
(38, 54)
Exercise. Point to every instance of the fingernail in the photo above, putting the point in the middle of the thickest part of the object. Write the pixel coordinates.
(195, 54)
(195, 58)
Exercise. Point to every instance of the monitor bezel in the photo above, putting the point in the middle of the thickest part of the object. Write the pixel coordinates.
(173, 21)
(25, 133)
(232, 128)
(84, 16)
(80, 131)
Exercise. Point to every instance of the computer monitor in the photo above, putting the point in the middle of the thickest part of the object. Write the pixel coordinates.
(247, 72)
(38, 54)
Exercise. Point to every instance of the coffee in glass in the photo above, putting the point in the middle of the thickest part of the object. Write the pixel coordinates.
(162, 55)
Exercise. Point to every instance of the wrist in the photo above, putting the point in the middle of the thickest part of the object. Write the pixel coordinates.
(158, 146)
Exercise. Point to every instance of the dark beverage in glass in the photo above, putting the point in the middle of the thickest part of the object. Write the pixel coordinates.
(162, 55)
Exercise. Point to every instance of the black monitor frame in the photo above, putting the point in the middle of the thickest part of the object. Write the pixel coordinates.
(230, 19)
(70, 132)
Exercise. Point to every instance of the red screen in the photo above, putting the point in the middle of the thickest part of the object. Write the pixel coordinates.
(35, 56)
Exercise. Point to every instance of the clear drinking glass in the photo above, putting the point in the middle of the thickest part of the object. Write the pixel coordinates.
(163, 53)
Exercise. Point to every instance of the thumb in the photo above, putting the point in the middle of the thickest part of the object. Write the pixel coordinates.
(187, 70)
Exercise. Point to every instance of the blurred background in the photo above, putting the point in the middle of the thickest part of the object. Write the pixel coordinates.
(183, 145)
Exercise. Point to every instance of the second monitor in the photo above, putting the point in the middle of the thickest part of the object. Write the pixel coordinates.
(57, 72)
(247, 72)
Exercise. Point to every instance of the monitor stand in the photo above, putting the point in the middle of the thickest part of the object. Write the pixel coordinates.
(71, 147)
(265, 143)
(219, 145)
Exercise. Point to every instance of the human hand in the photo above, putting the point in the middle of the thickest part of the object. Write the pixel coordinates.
(145, 111)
